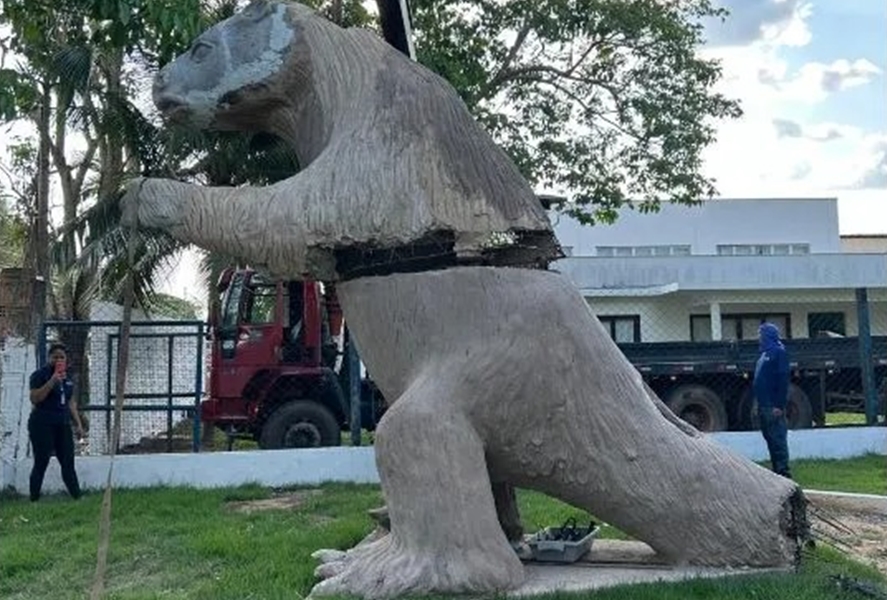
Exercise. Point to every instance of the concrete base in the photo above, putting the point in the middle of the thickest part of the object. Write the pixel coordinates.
(867, 503)
(547, 579)
(611, 563)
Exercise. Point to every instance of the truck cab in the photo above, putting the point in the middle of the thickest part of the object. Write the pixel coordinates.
(275, 371)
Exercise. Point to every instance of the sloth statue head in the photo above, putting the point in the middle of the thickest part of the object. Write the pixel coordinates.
(230, 77)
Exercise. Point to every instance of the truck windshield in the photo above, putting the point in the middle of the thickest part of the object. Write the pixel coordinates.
(231, 303)
(261, 298)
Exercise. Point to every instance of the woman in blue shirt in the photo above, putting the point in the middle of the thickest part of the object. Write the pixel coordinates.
(52, 410)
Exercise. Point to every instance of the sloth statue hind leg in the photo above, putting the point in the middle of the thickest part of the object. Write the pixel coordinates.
(445, 534)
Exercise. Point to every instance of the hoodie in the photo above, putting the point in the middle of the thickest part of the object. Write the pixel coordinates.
(772, 370)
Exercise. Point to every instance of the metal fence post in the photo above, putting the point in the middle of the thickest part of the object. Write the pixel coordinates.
(354, 390)
(41, 345)
(198, 391)
(867, 370)
(170, 390)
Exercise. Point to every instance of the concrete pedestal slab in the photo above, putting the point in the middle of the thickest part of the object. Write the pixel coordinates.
(611, 563)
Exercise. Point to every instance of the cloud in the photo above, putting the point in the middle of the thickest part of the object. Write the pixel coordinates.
(821, 132)
(843, 74)
(785, 128)
(780, 22)
(815, 81)
(801, 171)
(875, 177)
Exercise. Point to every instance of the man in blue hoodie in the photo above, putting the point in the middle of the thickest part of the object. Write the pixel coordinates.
(771, 390)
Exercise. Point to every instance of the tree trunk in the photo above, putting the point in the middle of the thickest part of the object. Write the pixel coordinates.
(505, 375)
(38, 238)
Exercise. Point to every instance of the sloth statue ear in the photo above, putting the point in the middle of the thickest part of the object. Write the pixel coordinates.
(258, 9)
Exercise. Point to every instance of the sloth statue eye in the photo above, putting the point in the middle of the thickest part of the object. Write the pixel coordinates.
(200, 51)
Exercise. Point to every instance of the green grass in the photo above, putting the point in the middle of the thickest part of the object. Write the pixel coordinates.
(864, 475)
(839, 419)
(183, 543)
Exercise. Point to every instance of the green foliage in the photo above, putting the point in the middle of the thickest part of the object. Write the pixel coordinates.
(13, 231)
(17, 95)
(171, 307)
(607, 99)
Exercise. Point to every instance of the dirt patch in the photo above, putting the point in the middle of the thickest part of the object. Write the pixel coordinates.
(280, 501)
(856, 528)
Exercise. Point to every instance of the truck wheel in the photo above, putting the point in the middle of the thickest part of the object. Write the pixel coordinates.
(799, 413)
(699, 406)
(300, 424)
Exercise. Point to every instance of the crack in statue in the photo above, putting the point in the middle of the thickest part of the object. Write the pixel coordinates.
(499, 377)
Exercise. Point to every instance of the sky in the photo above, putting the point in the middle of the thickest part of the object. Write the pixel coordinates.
(810, 77)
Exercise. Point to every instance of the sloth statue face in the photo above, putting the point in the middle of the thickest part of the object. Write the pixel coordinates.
(226, 79)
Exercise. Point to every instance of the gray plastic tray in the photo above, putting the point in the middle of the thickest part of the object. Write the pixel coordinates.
(545, 550)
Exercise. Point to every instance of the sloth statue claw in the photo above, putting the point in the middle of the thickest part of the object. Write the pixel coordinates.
(496, 377)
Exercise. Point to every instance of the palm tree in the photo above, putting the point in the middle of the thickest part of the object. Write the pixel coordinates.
(209, 158)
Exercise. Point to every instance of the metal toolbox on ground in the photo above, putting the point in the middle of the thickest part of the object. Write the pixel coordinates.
(565, 544)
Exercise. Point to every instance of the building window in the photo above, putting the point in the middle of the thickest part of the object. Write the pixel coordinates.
(626, 251)
(624, 329)
(738, 326)
(820, 324)
(761, 249)
(700, 328)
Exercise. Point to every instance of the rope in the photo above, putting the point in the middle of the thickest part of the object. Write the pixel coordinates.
(101, 563)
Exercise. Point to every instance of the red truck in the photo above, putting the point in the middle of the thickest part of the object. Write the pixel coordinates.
(278, 372)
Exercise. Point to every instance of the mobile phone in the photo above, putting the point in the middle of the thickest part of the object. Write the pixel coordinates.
(60, 368)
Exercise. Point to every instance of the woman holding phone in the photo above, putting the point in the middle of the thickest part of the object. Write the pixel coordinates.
(53, 408)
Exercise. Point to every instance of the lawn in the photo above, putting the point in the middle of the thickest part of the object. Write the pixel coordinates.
(182, 543)
(839, 419)
(865, 475)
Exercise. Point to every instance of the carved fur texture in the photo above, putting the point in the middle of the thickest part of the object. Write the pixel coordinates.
(498, 377)
(396, 170)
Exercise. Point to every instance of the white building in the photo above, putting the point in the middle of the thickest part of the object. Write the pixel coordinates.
(714, 271)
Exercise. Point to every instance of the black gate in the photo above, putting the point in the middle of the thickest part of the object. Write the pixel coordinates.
(164, 382)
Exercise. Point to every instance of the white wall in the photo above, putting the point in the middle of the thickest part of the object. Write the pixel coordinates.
(313, 466)
(719, 221)
(17, 362)
(667, 318)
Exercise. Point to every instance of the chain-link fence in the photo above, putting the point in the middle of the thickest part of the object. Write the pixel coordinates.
(164, 380)
(698, 350)
(275, 377)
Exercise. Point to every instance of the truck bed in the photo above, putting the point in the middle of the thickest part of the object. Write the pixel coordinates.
(674, 358)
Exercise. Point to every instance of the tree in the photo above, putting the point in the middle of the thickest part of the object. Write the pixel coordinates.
(12, 232)
(71, 81)
(209, 158)
(16, 194)
(605, 99)
(172, 307)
